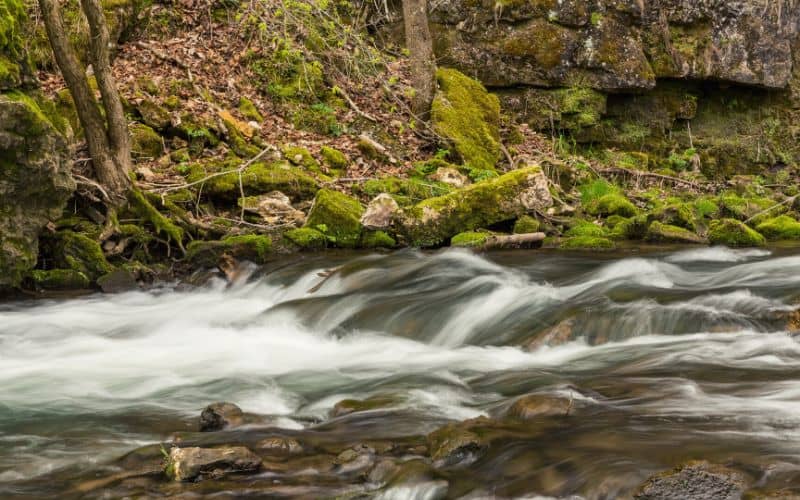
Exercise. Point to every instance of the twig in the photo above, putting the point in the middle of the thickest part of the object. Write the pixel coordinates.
(341, 92)
(773, 207)
(86, 181)
(640, 173)
(239, 169)
(505, 151)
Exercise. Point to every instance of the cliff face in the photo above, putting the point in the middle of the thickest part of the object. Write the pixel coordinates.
(662, 76)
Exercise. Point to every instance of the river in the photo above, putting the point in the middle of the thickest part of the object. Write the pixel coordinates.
(664, 357)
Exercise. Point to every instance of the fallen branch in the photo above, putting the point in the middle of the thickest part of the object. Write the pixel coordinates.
(353, 105)
(506, 241)
(640, 173)
(773, 207)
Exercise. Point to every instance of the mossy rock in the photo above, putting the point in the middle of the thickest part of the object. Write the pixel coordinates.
(307, 238)
(13, 60)
(584, 228)
(659, 232)
(338, 216)
(80, 253)
(301, 157)
(248, 109)
(470, 239)
(334, 159)
(677, 214)
(253, 247)
(377, 239)
(154, 115)
(737, 207)
(163, 226)
(434, 221)
(465, 114)
(145, 142)
(586, 243)
(734, 233)
(526, 225)
(257, 179)
(780, 228)
(57, 279)
(612, 204)
(405, 191)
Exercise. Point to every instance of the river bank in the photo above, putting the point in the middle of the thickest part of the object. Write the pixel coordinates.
(431, 374)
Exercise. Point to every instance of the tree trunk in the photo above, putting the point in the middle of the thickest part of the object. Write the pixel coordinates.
(420, 47)
(110, 163)
(100, 44)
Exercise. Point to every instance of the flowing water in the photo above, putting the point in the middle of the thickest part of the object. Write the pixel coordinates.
(664, 357)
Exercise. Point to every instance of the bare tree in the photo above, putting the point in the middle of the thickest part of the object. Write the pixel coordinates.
(419, 43)
(107, 136)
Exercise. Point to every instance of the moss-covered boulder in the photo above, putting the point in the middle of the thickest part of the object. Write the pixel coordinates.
(434, 221)
(257, 179)
(333, 158)
(35, 179)
(612, 204)
(465, 114)
(145, 142)
(780, 228)
(470, 239)
(80, 253)
(665, 233)
(14, 67)
(590, 243)
(526, 224)
(338, 216)
(57, 279)
(377, 239)
(307, 238)
(733, 233)
(252, 247)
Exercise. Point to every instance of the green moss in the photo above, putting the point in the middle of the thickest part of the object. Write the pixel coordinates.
(163, 226)
(632, 228)
(587, 243)
(338, 216)
(665, 233)
(406, 190)
(733, 233)
(300, 156)
(470, 239)
(677, 214)
(257, 179)
(153, 115)
(595, 190)
(612, 204)
(254, 247)
(12, 17)
(526, 224)
(58, 279)
(248, 109)
(80, 253)
(584, 228)
(780, 228)
(435, 220)
(334, 158)
(145, 142)
(197, 131)
(737, 207)
(377, 239)
(307, 238)
(466, 114)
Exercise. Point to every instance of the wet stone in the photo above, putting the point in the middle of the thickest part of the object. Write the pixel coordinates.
(694, 481)
(187, 464)
(539, 405)
(218, 416)
(280, 446)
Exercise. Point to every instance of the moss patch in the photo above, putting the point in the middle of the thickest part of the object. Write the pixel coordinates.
(780, 228)
(733, 233)
(467, 115)
(257, 179)
(253, 247)
(587, 243)
(377, 239)
(338, 216)
(307, 238)
(334, 158)
(666, 233)
(526, 224)
(470, 239)
(80, 253)
(58, 279)
(612, 204)
(145, 142)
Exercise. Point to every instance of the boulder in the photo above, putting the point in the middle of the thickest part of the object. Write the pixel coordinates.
(454, 443)
(533, 406)
(189, 464)
(35, 179)
(218, 416)
(434, 221)
(380, 212)
(465, 114)
(338, 216)
(275, 208)
(665, 233)
(733, 233)
(698, 480)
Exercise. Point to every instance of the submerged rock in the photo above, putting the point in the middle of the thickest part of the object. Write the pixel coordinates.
(218, 416)
(539, 405)
(698, 480)
(454, 443)
(187, 464)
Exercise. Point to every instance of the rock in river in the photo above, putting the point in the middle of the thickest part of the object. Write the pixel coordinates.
(218, 416)
(698, 480)
(187, 464)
